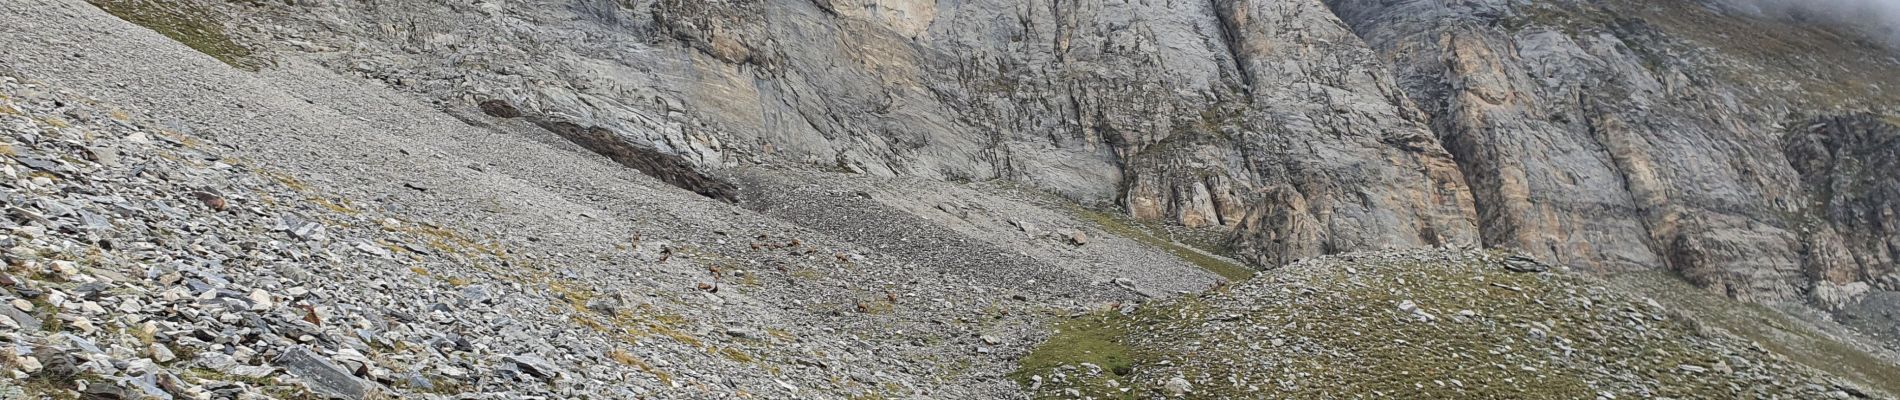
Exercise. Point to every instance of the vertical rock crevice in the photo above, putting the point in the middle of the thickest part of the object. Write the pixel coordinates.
(1229, 15)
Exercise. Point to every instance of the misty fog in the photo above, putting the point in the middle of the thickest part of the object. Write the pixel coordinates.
(1877, 19)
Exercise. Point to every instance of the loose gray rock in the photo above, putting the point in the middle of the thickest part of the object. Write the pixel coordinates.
(322, 376)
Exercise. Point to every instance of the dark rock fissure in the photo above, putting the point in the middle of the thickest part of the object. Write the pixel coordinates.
(1229, 26)
(668, 168)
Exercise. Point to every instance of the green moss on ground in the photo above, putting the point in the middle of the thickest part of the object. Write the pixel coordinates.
(1092, 339)
(1336, 329)
(188, 24)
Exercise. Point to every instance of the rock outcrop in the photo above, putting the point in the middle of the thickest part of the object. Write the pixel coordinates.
(1219, 115)
(1614, 140)
(1609, 135)
(437, 199)
(1853, 222)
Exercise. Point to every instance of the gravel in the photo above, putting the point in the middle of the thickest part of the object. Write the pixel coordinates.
(236, 216)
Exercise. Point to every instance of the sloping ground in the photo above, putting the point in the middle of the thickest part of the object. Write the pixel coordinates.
(464, 251)
(1610, 135)
(291, 232)
(1180, 112)
(142, 263)
(1417, 325)
(146, 263)
(1792, 331)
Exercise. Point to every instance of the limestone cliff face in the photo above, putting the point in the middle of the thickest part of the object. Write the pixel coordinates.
(1269, 119)
(1617, 135)
(1610, 135)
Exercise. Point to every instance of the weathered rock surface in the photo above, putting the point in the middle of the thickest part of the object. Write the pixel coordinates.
(1848, 163)
(1609, 136)
(1604, 135)
(438, 199)
(1269, 119)
(282, 215)
(1621, 135)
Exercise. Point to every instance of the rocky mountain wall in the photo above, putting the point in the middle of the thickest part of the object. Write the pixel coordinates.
(1604, 140)
(1606, 135)
(1265, 118)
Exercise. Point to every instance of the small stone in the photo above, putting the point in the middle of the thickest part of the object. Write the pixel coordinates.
(535, 366)
(1025, 226)
(23, 305)
(30, 364)
(1074, 236)
(320, 374)
(106, 390)
(260, 300)
(23, 319)
(66, 269)
(105, 156)
(162, 354)
(1177, 387)
(1524, 264)
(57, 362)
(251, 371)
(477, 294)
(212, 201)
(85, 325)
(418, 381)
(604, 305)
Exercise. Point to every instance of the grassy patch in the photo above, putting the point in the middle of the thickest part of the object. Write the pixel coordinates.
(45, 387)
(736, 355)
(1100, 339)
(440, 385)
(1226, 269)
(214, 375)
(188, 24)
(1397, 328)
(1412, 357)
(625, 358)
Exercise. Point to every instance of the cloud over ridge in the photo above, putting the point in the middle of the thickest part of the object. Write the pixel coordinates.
(1878, 19)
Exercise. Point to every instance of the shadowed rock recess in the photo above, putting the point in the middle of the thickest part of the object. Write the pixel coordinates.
(866, 199)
